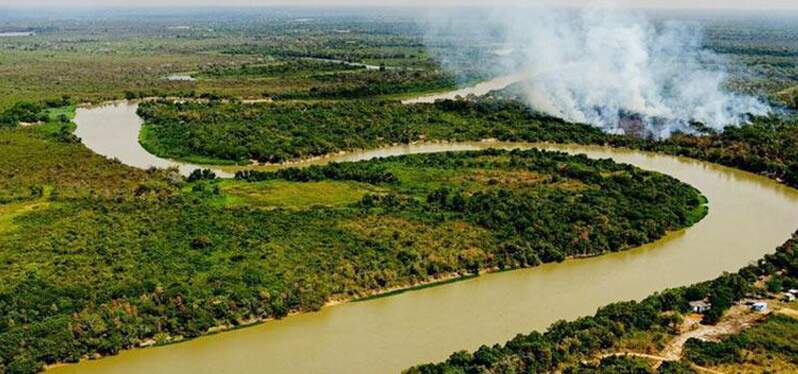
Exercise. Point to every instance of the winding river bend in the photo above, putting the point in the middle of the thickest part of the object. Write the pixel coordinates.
(749, 216)
(112, 130)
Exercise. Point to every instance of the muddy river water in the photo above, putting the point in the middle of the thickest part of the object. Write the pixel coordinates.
(112, 130)
(749, 216)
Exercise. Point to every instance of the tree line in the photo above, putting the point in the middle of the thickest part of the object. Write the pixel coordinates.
(286, 131)
(566, 344)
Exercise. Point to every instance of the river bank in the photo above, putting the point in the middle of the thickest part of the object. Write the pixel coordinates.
(749, 215)
(732, 235)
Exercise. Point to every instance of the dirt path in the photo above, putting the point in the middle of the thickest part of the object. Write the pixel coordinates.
(658, 361)
(635, 354)
(788, 312)
(737, 319)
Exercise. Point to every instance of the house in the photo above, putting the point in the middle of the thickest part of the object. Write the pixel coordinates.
(759, 307)
(700, 306)
(788, 297)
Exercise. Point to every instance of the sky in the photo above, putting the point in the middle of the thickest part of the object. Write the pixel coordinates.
(678, 4)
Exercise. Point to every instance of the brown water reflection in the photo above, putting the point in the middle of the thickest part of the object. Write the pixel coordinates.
(112, 130)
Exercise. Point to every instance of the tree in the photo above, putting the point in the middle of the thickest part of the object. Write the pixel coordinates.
(721, 299)
(201, 174)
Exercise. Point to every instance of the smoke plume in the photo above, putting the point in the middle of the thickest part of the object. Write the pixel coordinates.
(609, 66)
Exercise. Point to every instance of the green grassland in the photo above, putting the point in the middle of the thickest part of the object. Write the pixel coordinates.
(11, 211)
(283, 194)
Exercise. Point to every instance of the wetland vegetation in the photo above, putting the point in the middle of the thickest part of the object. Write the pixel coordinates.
(96, 257)
(252, 54)
(107, 257)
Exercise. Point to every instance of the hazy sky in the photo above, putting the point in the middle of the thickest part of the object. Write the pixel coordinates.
(712, 4)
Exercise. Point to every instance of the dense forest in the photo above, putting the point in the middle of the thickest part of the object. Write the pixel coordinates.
(570, 346)
(96, 257)
(508, 208)
(767, 145)
(307, 78)
(371, 84)
(280, 132)
(294, 68)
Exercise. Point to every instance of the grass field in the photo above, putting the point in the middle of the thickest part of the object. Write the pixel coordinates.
(293, 195)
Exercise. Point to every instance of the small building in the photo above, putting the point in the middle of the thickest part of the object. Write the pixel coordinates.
(788, 297)
(700, 306)
(793, 291)
(759, 307)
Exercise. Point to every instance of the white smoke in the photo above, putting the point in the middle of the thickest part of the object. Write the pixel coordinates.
(603, 63)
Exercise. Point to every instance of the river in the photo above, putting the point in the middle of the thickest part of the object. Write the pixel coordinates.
(112, 130)
(344, 62)
(479, 89)
(12, 34)
(749, 216)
